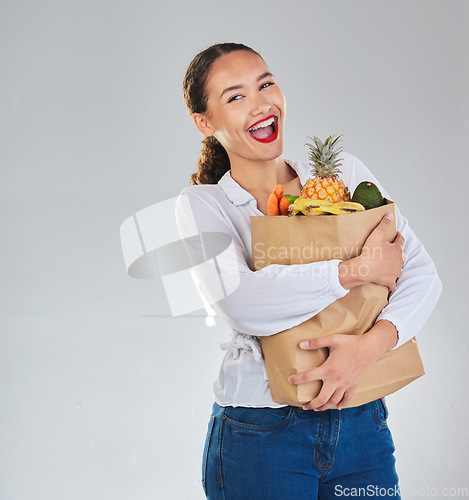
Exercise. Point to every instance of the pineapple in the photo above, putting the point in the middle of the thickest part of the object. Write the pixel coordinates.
(324, 183)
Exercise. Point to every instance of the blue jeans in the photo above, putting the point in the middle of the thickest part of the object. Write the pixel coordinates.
(292, 454)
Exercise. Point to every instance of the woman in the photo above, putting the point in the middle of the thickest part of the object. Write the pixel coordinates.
(256, 448)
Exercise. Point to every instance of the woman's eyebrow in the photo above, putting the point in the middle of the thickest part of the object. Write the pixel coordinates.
(239, 86)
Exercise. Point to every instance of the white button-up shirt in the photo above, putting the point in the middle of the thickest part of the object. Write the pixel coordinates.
(278, 297)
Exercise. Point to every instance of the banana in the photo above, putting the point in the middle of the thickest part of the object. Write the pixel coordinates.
(350, 207)
(333, 209)
(312, 211)
(307, 206)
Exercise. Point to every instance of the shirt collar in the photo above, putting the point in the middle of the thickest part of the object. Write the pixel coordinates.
(239, 196)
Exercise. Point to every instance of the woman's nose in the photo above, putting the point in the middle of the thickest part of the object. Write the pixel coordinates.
(261, 108)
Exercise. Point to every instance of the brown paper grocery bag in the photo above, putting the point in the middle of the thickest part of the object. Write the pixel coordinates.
(304, 239)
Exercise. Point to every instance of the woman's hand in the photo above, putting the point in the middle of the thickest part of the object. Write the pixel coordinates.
(380, 262)
(350, 357)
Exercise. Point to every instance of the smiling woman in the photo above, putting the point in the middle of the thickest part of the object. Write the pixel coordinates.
(241, 107)
(255, 447)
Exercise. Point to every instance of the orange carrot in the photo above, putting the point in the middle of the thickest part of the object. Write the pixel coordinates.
(272, 205)
(278, 190)
(283, 205)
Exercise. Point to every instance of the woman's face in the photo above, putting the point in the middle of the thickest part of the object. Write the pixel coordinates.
(245, 107)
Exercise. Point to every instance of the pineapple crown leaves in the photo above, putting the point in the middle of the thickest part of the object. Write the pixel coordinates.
(323, 156)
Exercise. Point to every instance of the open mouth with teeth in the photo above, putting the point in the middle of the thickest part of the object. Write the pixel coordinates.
(265, 130)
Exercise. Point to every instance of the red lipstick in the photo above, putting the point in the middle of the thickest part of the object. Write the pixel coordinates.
(274, 126)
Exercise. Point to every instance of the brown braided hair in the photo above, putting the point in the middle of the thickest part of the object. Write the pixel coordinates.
(214, 161)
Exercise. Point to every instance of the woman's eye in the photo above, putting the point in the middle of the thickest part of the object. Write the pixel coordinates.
(267, 84)
(235, 98)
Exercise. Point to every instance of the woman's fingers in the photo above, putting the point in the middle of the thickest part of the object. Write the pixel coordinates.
(318, 343)
(309, 376)
(384, 222)
(383, 259)
(399, 240)
(340, 373)
(325, 397)
(346, 399)
(329, 398)
(318, 373)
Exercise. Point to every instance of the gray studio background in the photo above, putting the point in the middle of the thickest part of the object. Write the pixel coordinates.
(103, 395)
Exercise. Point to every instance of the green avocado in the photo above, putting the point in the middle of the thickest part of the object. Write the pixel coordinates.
(368, 195)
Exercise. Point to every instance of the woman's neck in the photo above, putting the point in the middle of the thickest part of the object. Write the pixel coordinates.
(261, 176)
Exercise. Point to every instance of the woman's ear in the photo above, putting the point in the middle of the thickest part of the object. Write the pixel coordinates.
(201, 122)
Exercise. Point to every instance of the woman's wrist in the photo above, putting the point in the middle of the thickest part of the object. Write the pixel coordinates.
(382, 337)
(352, 273)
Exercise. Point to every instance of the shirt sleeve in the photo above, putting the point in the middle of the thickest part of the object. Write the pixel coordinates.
(419, 287)
(258, 303)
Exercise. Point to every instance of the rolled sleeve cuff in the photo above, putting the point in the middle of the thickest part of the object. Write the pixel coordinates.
(333, 278)
(401, 339)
